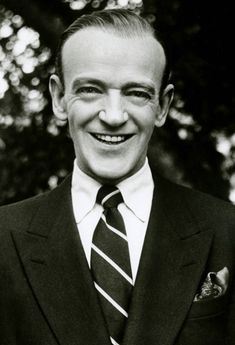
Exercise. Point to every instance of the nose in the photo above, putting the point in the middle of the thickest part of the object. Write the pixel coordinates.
(114, 113)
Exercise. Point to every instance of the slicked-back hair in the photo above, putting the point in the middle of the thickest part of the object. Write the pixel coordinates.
(121, 22)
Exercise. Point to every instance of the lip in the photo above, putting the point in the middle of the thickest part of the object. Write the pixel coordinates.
(110, 139)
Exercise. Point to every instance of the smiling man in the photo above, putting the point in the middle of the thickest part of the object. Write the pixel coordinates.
(111, 98)
(116, 254)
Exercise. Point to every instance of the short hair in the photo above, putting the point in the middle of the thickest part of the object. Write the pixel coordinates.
(121, 22)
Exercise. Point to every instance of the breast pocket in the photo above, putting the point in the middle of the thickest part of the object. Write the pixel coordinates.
(207, 309)
(205, 323)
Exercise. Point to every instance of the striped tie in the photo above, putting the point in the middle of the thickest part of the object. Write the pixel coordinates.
(110, 263)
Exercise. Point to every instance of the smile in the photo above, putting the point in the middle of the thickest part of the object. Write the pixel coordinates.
(111, 139)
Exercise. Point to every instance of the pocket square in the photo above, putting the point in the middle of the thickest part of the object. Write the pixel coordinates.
(214, 286)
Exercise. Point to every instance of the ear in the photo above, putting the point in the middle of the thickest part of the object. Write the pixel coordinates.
(57, 96)
(165, 102)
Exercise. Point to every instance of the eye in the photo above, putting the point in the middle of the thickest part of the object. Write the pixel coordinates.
(139, 94)
(87, 90)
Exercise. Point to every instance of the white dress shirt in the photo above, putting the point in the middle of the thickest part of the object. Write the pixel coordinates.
(137, 193)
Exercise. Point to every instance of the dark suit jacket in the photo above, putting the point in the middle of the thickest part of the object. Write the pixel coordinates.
(47, 295)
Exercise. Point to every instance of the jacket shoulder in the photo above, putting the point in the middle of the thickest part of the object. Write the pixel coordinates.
(20, 214)
(204, 205)
(204, 198)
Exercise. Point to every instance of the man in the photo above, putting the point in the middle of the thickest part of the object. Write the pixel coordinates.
(171, 281)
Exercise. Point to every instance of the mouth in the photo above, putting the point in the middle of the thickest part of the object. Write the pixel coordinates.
(111, 139)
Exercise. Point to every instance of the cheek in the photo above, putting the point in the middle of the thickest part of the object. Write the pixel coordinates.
(145, 120)
(77, 114)
(81, 113)
(144, 114)
(75, 122)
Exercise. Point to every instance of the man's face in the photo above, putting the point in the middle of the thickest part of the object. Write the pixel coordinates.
(111, 100)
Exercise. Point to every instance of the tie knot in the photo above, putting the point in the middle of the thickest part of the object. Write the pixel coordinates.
(109, 196)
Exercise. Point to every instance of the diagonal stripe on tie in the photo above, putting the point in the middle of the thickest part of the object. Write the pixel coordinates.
(117, 268)
(111, 244)
(110, 263)
(116, 231)
(117, 307)
(122, 285)
(113, 341)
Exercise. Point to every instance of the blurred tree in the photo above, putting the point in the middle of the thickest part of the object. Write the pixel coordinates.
(195, 147)
(200, 131)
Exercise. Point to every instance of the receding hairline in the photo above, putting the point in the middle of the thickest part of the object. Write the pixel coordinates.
(135, 29)
(112, 31)
(91, 34)
(119, 22)
(116, 33)
(122, 33)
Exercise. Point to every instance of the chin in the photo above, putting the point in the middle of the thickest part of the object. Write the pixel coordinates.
(105, 176)
(109, 177)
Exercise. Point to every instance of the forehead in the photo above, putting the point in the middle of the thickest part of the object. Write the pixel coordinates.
(94, 50)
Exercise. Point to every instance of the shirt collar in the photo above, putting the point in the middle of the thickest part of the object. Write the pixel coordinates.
(84, 192)
(134, 189)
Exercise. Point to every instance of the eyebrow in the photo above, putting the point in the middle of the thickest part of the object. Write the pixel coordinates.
(80, 81)
(150, 88)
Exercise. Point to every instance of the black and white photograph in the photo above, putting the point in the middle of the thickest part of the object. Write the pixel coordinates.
(117, 172)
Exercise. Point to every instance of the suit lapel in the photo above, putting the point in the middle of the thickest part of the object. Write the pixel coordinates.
(172, 262)
(57, 270)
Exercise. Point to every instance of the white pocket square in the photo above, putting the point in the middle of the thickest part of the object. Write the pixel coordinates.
(214, 286)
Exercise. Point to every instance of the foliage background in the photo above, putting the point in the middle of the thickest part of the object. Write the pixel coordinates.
(197, 145)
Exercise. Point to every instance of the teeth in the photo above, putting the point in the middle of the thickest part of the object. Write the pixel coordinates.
(111, 138)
